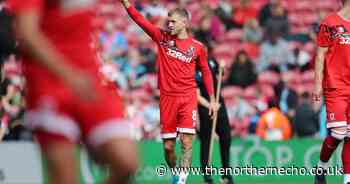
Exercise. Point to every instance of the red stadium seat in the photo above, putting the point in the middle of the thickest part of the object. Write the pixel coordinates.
(268, 78)
(308, 76)
(250, 93)
(231, 91)
(267, 90)
(292, 77)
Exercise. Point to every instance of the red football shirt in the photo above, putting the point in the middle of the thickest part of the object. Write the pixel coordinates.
(68, 26)
(176, 60)
(334, 33)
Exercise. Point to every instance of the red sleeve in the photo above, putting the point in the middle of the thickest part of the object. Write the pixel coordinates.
(20, 6)
(206, 73)
(324, 36)
(153, 31)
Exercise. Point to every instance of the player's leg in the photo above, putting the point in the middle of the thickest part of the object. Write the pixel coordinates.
(346, 151)
(204, 136)
(223, 129)
(169, 151)
(59, 154)
(186, 154)
(109, 135)
(336, 106)
(111, 144)
(187, 119)
(120, 155)
(168, 120)
(346, 159)
(56, 132)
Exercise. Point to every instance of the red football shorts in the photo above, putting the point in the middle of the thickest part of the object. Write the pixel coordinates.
(56, 114)
(177, 114)
(337, 107)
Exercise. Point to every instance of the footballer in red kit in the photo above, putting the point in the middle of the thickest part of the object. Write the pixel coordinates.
(332, 79)
(178, 56)
(177, 60)
(66, 100)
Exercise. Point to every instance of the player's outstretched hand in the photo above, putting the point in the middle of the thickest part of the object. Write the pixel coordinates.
(126, 3)
(81, 85)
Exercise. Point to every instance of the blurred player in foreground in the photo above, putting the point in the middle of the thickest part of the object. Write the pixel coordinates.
(66, 102)
(332, 79)
(178, 55)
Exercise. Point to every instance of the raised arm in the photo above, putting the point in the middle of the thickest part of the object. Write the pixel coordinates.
(153, 31)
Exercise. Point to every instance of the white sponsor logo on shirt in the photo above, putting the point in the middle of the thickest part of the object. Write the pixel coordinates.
(178, 55)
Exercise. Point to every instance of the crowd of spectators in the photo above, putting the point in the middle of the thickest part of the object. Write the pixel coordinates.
(267, 45)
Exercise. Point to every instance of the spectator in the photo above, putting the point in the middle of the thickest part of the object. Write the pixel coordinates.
(152, 117)
(148, 56)
(277, 22)
(4, 119)
(243, 13)
(224, 12)
(242, 71)
(306, 118)
(252, 31)
(133, 69)
(113, 74)
(274, 125)
(203, 33)
(155, 9)
(302, 59)
(114, 43)
(266, 10)
(274, 54)
(241, 113)
(287, 98)
(13, 111)
(7, 40)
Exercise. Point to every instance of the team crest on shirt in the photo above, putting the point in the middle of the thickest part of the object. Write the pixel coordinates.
(171, 43)
(341, 29)
(190, 51)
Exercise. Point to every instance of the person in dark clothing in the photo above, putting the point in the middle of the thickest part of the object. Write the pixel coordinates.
(306, 118)
(222, 129)
(287, 98)
(277, 22)
(266, 10)
(242, 71)
(7, 40)
(203, 32)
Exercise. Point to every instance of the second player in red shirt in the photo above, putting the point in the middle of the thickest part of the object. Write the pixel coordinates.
(332, 78)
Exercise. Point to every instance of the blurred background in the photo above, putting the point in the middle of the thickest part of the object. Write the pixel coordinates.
(268, 47)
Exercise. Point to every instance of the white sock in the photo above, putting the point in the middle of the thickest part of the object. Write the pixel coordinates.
(323, 165)
(346, 178)
(183, 178)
